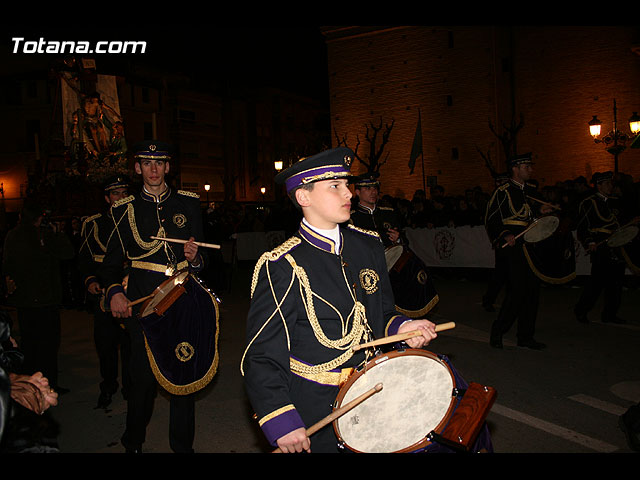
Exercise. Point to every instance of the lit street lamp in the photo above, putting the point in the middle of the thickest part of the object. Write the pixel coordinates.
(207, 187)
(615, 142)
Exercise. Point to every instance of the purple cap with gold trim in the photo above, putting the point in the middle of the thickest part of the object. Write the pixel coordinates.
(333, 163)
(152, 150)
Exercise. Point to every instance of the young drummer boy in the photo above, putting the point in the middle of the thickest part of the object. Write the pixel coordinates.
(314, 298)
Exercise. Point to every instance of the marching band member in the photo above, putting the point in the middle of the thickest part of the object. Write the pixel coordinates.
(157, 210)
(313, 298)
(597, 220)
(109, 338)
(508, 214)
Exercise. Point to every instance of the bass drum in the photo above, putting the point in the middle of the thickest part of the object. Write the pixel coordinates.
(413, 288)
(181, 324)
(422, 398)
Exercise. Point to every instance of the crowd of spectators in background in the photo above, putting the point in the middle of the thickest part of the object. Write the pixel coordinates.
(421, 211)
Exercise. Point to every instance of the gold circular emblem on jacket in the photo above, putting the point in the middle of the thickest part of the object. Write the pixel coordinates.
(422, 277)
(369, 280)
(184, 351)
(179, 219)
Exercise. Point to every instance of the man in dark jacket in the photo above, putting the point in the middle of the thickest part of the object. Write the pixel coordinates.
(31, 266)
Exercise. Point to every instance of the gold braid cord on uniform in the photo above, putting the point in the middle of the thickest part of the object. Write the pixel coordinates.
(359, 326)
(521, 217)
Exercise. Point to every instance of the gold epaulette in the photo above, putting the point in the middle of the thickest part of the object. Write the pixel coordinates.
(92, 218)
(188, 193)
(386, 208)
(283, 248)
(122, 201)
(272, 256)
(371, 233)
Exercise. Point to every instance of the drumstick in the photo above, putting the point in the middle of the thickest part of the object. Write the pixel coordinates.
(402, 336)
(555, 207)
(520, 234)
(338, 412)
(140, 300)
(179, 240)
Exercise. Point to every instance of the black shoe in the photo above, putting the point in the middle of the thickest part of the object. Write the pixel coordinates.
(532, 344)
(495, 342)
(104, 400)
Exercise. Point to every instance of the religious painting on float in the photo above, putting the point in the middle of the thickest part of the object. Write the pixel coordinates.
(93, 126)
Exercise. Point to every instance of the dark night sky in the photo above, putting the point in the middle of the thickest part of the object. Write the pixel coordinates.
(290, 57)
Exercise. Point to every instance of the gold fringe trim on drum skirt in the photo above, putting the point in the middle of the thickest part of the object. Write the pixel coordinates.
(421, 312)
(541, 276)
(193, 386)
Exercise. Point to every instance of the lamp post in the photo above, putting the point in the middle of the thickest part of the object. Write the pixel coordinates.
(207, 187)
(615, 142)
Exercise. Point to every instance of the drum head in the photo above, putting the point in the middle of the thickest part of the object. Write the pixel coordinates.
(417, 397)
(162, 291)
(541, 229)
(622, 236)
(392, 254)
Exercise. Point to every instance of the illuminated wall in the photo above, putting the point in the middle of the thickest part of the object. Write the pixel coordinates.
(462, 78)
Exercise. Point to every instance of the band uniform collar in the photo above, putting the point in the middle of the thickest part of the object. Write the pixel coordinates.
(317, 240)
(146, 195)
(364, 209)
(602, 196)
(519, 185)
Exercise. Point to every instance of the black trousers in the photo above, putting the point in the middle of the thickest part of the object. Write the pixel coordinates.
(113, 349)
(40, 341)
(497, 279)
(142, 392)
(522, 296)
(607, 275)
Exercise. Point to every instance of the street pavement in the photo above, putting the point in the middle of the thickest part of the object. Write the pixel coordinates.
(565, 399)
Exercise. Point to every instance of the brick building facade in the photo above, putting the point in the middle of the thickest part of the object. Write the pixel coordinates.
(461, 79)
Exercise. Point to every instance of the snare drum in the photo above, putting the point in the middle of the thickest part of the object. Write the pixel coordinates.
(622, 236)
(541, 229)
(418, 399)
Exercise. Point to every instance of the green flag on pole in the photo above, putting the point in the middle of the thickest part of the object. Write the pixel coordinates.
(416, 148)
